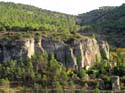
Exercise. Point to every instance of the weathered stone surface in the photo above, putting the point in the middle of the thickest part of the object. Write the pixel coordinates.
(116, 83)
(101, 84)
(16, 49)
(86, 52)
(29, 47)
(38, 46)
(104, 49)
(81, 53)
(77, 54)
(58, 48)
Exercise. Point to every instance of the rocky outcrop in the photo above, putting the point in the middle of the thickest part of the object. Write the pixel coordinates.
(80, 53)
(76, 54)
(29, 47)
(116, 83)
(101, 84)
(38, 45)
(86, 52)
(104, 49)
(16, 49)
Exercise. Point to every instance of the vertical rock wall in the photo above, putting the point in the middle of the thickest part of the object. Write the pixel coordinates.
(80, 53)
(16, 49)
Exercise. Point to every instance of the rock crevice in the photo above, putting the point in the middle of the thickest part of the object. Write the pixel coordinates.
(80, 53)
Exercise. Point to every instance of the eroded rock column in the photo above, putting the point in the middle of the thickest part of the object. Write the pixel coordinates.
(116, 83)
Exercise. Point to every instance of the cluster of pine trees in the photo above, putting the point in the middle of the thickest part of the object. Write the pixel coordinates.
(19, 17)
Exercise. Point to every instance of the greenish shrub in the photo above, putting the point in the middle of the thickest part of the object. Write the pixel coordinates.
(4, 83)
(96, 90)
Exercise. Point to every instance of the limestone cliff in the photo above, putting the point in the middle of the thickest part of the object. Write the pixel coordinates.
(104, 49)
(76, 54)
(16, 49)
(80, 53)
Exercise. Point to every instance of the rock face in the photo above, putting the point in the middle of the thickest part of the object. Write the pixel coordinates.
(104, 49)
(38, 45)
(29, 47)
(16, 49)
(76, 54)
(86, 52)
(81, 53)
(116, 83)
(101, 84)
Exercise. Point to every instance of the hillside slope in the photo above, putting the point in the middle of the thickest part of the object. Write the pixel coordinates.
(108, 21)
(20, 17)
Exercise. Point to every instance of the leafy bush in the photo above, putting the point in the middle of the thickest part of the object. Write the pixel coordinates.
(4, 82)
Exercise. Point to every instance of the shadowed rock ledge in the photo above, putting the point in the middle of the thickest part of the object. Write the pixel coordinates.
(76, 54)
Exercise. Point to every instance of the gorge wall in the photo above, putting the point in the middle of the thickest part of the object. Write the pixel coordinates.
(76, 54)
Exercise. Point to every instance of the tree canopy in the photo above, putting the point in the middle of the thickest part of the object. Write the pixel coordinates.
(20, 17)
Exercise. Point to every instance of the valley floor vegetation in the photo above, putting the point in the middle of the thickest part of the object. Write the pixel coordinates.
(43, 71)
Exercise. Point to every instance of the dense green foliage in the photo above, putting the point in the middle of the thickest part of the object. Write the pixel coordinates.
(19, 17)
(108, 21)
(43, 71)
(105, 18)
(94, 15)
(4, 82)
(39, 69)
